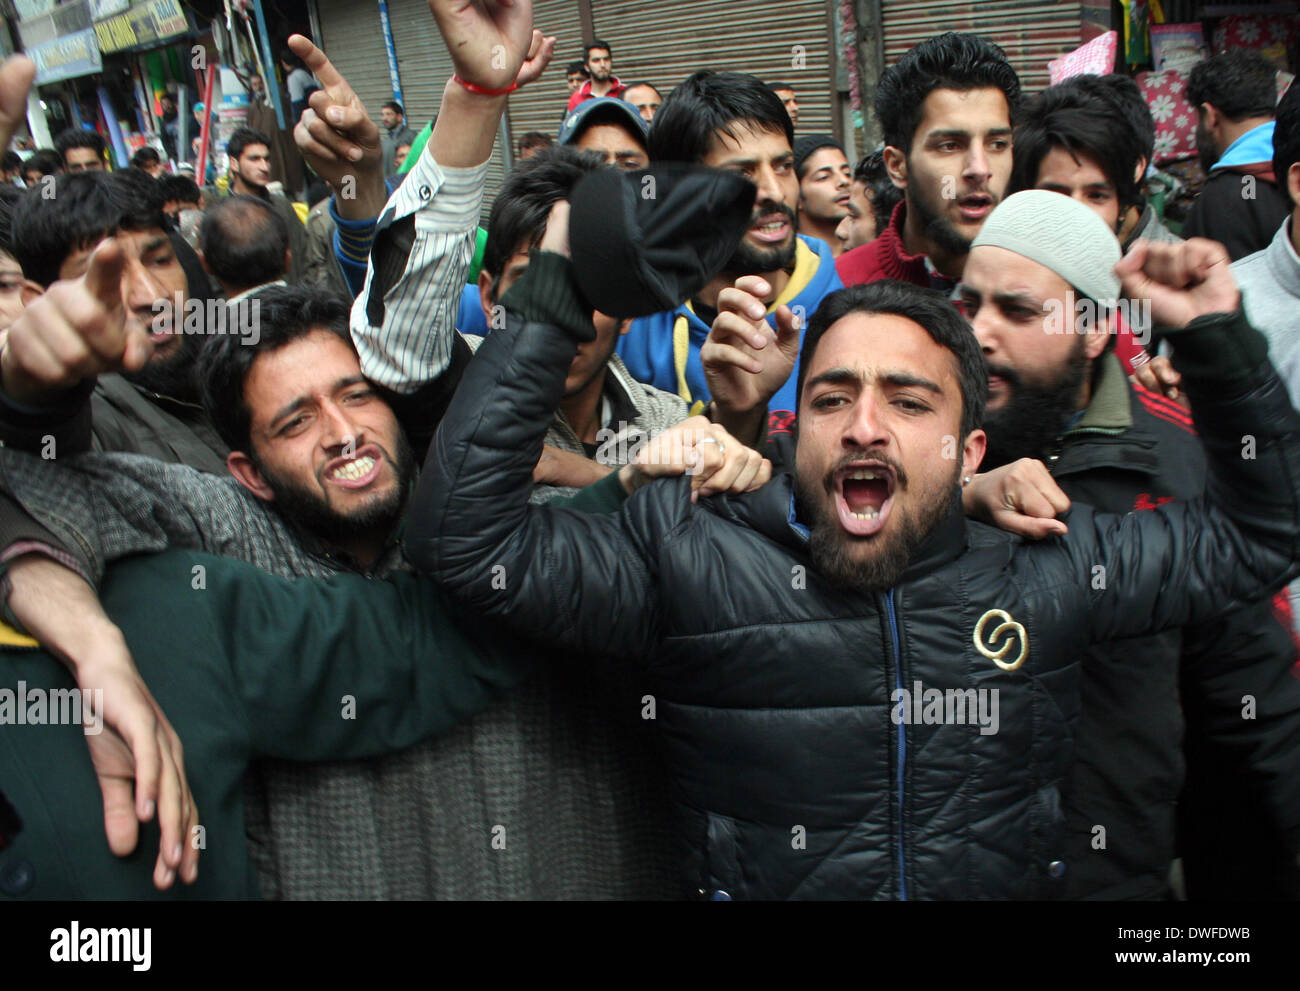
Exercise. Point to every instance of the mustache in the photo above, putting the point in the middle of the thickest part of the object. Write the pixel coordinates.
(865, 461)
(1009, 375)
(767, 209)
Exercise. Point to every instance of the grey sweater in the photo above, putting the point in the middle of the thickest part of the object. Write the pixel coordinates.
(1270, 290)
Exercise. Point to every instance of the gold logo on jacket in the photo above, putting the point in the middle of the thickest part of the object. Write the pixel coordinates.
(1006, 625)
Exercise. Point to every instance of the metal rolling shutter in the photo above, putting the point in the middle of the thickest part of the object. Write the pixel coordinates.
(664, 41)
(540, 106)
(351, 38)
(1032, 33)
(354, 42)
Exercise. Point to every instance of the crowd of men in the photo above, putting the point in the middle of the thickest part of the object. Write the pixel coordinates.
(913, 529)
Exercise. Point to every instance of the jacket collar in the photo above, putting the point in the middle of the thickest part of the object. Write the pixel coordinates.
(1252, 148)
(898, 264)
(1112, 431)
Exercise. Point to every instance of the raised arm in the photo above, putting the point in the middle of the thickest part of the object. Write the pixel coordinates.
(404, 326)
(1154, 570)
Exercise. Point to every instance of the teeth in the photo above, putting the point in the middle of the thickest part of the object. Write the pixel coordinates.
(865, 475)
(869, 514)
(355, 469)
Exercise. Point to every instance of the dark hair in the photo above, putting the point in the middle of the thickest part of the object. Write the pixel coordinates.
(9, 197)
(936, 315)
(1238, 83)
(139, 199)
(1128, 99)
(949, 61)
(775, 87)
(284, 314)
(1286, 139)
(317, 190)
(395, 107)
(243, 240)
(85, 207)
(242, 138)
(596, 43)
(46, 161)
(145, 156)
(708, 102)
(521, 207)
(642, 82)
(871, 172)
(573, 67)
(75, 137)
(288, 56)
(1081, 123)
(12, 160)
(534, 139)
(180, 188)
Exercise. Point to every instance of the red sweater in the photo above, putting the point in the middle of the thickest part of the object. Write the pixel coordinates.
(884, 258)
(583, 92)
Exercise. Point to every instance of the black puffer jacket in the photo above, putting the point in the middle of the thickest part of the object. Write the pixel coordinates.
(773, 689)
(1130, 452)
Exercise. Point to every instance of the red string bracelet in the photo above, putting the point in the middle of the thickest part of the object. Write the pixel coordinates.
(483, 90)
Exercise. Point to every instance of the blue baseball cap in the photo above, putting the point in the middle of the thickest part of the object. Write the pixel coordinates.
(603, 110)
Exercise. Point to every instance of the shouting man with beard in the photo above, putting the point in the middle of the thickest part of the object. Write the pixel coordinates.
(857, 693)
(50, 384)
(946, 109)
(1040, 306)
(732, 121)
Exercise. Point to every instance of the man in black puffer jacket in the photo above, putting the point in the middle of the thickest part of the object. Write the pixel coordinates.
(1064, 399)
(881, 705)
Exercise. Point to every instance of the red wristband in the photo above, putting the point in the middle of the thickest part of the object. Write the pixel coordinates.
(483, 90)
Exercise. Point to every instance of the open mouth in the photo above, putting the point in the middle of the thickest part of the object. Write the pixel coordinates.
(976, 206)
(772, 229)
(864, 495)
(357, 471)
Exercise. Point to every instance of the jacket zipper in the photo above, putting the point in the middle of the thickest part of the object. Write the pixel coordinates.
(902, 742)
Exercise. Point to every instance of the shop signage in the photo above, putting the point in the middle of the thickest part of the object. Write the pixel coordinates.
(143, 24)
(66, 57)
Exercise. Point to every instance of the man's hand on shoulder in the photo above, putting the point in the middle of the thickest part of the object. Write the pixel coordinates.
(1021, 497)
(714, 459)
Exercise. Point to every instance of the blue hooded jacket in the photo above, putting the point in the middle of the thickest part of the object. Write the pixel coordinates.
(663, 350)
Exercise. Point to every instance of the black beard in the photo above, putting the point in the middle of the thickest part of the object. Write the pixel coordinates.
(936, 228)
(829, 545)
(307, 510)
(1205, 150)
(749, 260)
(174, 376)
(1034, 415)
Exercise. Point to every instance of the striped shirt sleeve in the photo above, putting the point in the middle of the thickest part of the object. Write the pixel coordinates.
(404, 320)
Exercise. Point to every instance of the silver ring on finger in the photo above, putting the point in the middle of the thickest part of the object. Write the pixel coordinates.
(722, 448)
